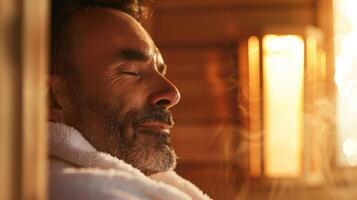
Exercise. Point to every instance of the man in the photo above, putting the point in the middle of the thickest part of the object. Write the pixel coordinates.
(109, 106)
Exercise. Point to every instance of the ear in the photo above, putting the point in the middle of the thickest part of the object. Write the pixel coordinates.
(56, 96)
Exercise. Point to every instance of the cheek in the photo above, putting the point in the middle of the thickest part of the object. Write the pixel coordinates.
(132, 98)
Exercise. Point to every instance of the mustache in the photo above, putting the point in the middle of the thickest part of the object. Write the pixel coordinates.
(152, 113)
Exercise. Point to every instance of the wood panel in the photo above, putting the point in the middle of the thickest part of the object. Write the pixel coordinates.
(208, 27)
(175, 4)
(204, 112)
(201, 143)
(34, 99)
(213, 178)
(204, 78)
(9, 83)
(198, 40)
(23, 127)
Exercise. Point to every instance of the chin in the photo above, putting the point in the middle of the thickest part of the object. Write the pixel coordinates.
(151, 159)
(162, 162)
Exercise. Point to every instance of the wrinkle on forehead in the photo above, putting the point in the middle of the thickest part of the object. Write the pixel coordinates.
(111, 23)
(102, 32)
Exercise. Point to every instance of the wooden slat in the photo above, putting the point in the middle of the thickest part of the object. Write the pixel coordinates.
(204, 113)
(179, 4)
(34, 101)
(214, 178)
(189, 28)
(201, 142)
(23, 64)
(324, 18)
(10, 101)
(203, 78)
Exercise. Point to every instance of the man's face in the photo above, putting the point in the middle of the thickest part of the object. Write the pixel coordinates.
(118, 96)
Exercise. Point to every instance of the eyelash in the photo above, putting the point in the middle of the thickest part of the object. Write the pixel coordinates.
(131, 73)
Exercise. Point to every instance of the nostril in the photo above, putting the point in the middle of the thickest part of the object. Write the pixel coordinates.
(163, 102)
(164, 94)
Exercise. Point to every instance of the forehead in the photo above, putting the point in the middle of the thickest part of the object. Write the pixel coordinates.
(104, 28)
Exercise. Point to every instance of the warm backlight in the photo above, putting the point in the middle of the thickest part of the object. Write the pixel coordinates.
(254, 106)
(346, 78)
(283, 75)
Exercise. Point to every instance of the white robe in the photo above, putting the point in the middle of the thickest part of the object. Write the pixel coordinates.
(79, 171)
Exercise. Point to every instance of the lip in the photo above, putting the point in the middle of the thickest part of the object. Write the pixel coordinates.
(157, 126)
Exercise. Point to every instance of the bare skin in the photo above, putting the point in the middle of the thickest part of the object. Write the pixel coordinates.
(119, 97)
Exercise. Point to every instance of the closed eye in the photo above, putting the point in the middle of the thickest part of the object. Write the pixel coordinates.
(130, 73)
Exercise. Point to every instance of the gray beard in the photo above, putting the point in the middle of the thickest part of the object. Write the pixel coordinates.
(150, 158)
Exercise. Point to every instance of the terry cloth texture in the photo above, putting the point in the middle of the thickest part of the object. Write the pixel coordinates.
(79, 171)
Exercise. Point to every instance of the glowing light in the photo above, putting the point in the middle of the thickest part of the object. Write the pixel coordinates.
(349, 147)
(347, 8)
(348, 90)
(283, 74)
(343, 65)
(348, 44)
(345, 17)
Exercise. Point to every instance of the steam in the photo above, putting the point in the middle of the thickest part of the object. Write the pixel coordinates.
(322, 177)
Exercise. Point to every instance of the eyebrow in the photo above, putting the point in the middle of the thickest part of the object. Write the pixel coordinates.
(133, 54)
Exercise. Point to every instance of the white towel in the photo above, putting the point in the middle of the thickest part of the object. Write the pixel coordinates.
(79, 171)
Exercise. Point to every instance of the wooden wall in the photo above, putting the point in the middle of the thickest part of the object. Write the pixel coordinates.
(199, 41)
(23, 107)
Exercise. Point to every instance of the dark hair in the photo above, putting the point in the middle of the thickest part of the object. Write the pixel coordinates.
(61, 12)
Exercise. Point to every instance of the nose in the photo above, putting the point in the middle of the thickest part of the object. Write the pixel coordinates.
(164, 94)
